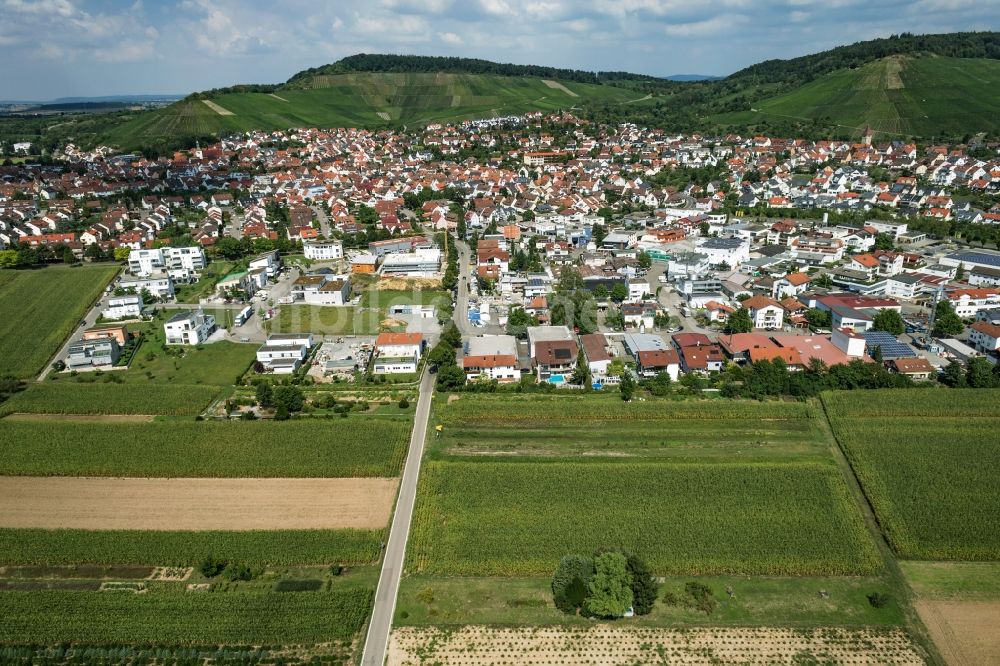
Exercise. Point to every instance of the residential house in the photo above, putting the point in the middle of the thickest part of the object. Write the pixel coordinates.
(765, 312)
(123, 307)
(984, 336)
(323, 250)
(283, 354)
(189, 328)
(492, 357)
(397, 353)
(98, 352)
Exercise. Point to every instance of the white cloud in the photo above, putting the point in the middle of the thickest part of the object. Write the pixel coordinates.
(705, 28)
(450, 38)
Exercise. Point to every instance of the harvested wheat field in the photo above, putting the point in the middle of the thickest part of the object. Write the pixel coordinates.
(195, 504)
(611, 646)
(404, 284)
(965, 632)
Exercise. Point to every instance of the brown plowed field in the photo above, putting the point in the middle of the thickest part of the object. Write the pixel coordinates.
(195, 504)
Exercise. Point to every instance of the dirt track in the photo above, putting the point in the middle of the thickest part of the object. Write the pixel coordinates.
(195, 504)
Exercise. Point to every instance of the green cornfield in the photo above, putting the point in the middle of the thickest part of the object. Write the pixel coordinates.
(167, 548)
(303, 448)
(929, 470)
(488, 409)
(160, 617)
(68, 398)
(518, 519)
(907, 402)
(40, 308)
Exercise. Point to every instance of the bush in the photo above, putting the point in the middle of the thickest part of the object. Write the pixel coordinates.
(569, 583)
(309, 585)
(236, 571)
(281, 412)
(702, 596)
(212, 566)
(878, 599)
(404, 403)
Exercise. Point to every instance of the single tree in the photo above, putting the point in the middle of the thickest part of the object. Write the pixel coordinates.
(619, 292)
(739, 322)
(569, 583)
(644, 587)
(264, 394)
(610, 589)
(581, 373)
(627, 386)
(889, 321)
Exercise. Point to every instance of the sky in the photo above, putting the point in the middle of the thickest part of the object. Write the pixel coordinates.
(61, 48)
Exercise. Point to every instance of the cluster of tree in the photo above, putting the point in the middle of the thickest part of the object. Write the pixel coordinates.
(571, 304)
(232, 249)
(605, 585)
(977, 373)
(238, 88)
(450, 278)
(372, 62)
(773, 378)
(442, 360)
(946, 322)
(285, 399)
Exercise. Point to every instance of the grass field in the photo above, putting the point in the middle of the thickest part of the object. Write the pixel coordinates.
(363, 99)
(756, 601)
(164, 548)
(562, 426)
(502, 519)
(110, 398)
(305, 448)
(924, 97)
(176, 617)
(320, 320)
(40, 308)
(926, 461)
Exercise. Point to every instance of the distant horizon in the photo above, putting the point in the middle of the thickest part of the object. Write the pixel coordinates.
(98, 48)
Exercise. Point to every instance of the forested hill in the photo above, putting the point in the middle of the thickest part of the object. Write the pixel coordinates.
(796, 71)
(370, 62)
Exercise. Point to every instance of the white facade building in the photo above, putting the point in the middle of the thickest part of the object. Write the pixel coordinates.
(144, 263)
(189, 328)
(323, 251)
(123, 307)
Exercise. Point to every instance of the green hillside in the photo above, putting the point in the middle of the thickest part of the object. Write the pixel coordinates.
(360, 99)
(923, 97)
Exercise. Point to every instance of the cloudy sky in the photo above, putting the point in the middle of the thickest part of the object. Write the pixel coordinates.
(57, 48)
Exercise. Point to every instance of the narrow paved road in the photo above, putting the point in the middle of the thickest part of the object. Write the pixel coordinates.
(392, 566)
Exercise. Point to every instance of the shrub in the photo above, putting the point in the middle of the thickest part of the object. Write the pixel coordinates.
(212, 566)
(309, 585)
(404, 403)
(237, 571)
(878, 599)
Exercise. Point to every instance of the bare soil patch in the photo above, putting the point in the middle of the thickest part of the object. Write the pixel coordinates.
(83, 418)
(893, 68)
(405, 284)
(965, 632)
(558, 86)
(218, 109)
(608, 645)
(195, 504)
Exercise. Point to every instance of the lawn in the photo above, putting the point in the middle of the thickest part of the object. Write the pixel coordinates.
(110, 398)
(384, 298)
(40, 308)
(966, 581)
(211, 275)
(167, 548)
(757, 601)
(356, 446)
(513, 519)
(180, 618)
(216, 364)
(550, 427)
(927, 462)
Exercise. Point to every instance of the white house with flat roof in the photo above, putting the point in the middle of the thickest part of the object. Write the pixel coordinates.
(323, 250)
(189, 328)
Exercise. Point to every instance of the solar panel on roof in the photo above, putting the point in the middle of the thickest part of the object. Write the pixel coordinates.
(890, 347)
(976, 257)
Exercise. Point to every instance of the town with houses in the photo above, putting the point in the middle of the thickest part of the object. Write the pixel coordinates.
(697, 251)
